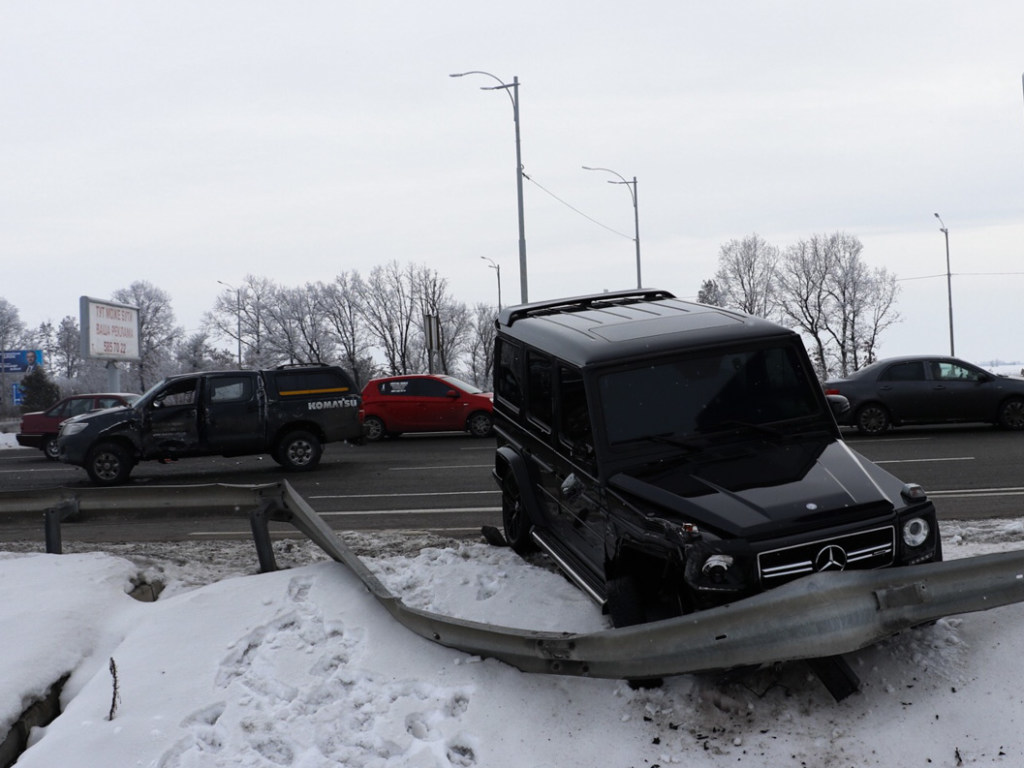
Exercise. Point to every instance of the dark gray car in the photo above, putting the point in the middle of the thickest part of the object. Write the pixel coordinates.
(928, 390)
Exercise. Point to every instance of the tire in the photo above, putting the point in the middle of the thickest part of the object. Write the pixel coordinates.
(872, 419)
(50, 448)
(373, 429)
(109, 464)
(480, 424)
(1011, 414)
(299, 451)
(515, 519)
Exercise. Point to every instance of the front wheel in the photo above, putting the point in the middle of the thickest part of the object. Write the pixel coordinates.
(872, 419)
(299, 451)
(480, 424)
(1011, 414)
(109, 464)
(50, 447)
(515, 519)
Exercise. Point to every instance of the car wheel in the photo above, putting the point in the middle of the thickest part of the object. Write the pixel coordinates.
(872, 419)
(109, 464)
(50, 447)
(373, 429)
(299, 451)
(1011, 414)
(480, 424)
(515, 519)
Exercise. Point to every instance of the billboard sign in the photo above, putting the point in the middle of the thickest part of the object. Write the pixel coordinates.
(20, 360)
(109, 331)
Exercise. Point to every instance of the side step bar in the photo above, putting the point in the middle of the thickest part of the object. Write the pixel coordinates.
(587, 585)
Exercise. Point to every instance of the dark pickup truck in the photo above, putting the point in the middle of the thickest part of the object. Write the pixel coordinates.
(289, 412)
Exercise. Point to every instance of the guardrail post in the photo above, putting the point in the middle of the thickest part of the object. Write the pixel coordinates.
(258, 521)
(52, 519)
(51, 523)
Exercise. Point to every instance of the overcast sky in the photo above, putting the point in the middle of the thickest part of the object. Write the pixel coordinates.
(187, 143)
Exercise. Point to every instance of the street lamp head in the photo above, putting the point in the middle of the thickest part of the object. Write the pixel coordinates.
(942, 228)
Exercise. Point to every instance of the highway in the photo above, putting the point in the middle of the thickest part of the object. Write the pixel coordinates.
(442, 483)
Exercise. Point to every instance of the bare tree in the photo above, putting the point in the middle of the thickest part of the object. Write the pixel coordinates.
(341, 305)
(239, 314)
(454, 318)
(67, 349)
(836, 300)
(298, 331)
(157, 331)
(389, 307)
(711, 294)
(195, 353)
(480, 351)
(747, 275)
(805, 296)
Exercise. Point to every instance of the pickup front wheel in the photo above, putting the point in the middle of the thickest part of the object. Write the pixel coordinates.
(109, 464)
(299, 451)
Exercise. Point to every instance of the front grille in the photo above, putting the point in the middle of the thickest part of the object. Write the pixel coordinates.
(863, 550)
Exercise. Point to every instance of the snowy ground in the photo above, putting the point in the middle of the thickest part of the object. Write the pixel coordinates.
(302, 668)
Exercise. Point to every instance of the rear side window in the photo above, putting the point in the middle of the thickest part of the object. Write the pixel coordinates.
(911, 371)
(541, 395)
(317, 381)
(508, 373)
(231, 389)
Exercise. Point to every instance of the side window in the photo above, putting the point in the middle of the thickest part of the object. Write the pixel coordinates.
(60, 410)
(181, 392)
(539, 389)
(508, 373)
(431, 388)
(954, 372)
(396, 387)
(230, 389)
(81, 405)
(574, 415)
(911, 371)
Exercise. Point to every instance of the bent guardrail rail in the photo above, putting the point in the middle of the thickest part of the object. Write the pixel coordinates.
(819, 616)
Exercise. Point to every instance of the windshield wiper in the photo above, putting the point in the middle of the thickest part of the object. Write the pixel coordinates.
(763, 429)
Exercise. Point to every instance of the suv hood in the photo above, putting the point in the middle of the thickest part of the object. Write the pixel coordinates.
(762, 486)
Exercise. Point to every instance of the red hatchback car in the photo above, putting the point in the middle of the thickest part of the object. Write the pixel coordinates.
(424, 403)
(39, 429)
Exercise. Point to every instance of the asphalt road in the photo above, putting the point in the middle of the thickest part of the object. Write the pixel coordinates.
(442, 483)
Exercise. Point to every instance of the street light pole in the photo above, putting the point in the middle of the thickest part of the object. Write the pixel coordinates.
(949, 284)
(631, 185)
(238, 318)
(497, 268)
(512, 89)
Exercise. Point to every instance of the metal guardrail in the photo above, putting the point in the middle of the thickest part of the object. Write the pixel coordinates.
(816, 617)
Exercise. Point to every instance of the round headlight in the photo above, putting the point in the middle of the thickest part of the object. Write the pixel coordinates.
(915, 532)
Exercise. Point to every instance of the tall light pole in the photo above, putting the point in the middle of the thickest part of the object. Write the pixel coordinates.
(636, 212)
(512, 89)
(949, 284)
(238, 318)
(497, 268)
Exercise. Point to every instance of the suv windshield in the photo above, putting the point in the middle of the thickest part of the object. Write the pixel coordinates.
(710, 391)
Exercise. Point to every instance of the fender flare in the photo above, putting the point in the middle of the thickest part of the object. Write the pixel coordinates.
(507, 461)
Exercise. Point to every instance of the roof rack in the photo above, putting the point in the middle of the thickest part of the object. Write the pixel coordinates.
(581, 303)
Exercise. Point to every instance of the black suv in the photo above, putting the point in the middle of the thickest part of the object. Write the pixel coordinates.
(671, 456)
(289, 412)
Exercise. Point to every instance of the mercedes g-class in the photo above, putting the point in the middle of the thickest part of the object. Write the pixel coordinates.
(671, 456)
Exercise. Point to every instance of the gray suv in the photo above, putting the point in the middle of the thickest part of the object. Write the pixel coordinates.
(671, 456)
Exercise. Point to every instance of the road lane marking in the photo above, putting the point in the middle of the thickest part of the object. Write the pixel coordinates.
(401, 495)
(925, 461)
(447, 466)
(967, 492)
